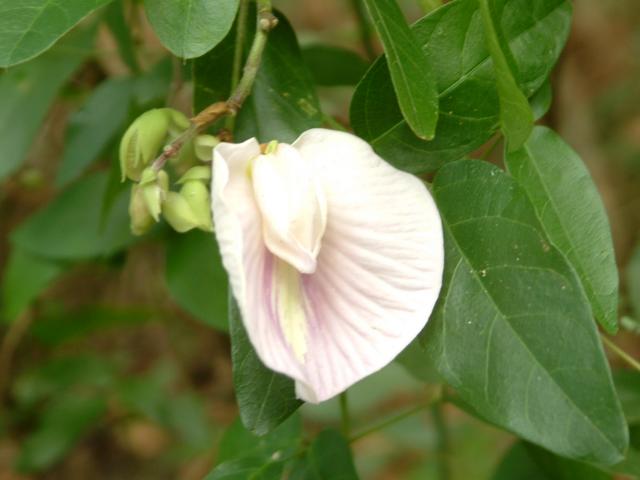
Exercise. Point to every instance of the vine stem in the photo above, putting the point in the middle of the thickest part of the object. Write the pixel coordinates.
(364, 29)
(621, 353)
(236, 69)
(8, 347)
(440, 425)
(265, 22)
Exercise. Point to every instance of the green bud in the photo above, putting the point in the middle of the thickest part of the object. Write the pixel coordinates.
(204, 145)
(177, 212)
(141, 219)
(271, 147)
(197, 196)
(200, 173)
(145, 138)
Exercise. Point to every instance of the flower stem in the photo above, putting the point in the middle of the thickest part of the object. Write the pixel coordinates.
(440, 425)
(621, 353)
(344, 414)
(265, 22)
(241, 33)
(385, 423)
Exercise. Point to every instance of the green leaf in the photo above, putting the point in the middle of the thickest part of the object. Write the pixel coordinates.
(328, 458)
(633, 282)
(25, 277)
(196, 278)
(92, 128)
(414, 361)
(190, 28)
(265, 398)
(411, 73)
(334, 66)
(27, 92)
(513, 331)
(253, 468)
(571, 212)
(528, 462)
(62, 424)
(453, 41)
(541, 100)
(29, 27)
(283, 102)
(516, 118)
(71, 227)
(628, 387)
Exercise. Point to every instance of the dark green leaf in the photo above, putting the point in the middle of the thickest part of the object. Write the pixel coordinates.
(513, 331)
(27, 92)
(29, 27)
(453, 41)
(528, 462)
(328, 458)
(62, 424)
(415, 361)
(190, 28)
(628, 387)
(70, 227)
(94, 126)
(196, 278)
(411, 74)
(25, 277)
(572, 214)
(334, 66)
(516, 118)
(265, 398)
(283, 102)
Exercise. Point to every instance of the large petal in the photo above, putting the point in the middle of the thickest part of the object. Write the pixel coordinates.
(379, 269)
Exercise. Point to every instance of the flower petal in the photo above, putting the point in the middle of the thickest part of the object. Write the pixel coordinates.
(379, 269)
(292, 204)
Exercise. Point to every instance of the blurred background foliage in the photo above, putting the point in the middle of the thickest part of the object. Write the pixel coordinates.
(114, 361)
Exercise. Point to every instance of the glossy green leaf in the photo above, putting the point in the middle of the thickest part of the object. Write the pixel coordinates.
(525, 461)
(516, 118)
(411, 73)
(334, 66)
(453, 41)
(71, 226)
(265, 398)
(29, 27)
(196, 278)
(541, 100)
(190, 28)
(27, 92)
(24, 278)
(92, 128)
(328, 458)
(283, 102)
(513, 331)
(572, 214)
(62, 424)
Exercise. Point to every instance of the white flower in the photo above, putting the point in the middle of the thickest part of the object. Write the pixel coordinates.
(334, 256)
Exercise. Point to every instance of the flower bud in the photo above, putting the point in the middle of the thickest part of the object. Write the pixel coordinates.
(200, 173)
(145, 137)
(197, 196)
(204, 145)
(178, 213)
(140, 218)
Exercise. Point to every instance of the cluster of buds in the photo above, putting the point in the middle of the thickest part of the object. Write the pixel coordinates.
(151, 196)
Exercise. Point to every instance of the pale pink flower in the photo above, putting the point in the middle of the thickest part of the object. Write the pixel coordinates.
(334, 256)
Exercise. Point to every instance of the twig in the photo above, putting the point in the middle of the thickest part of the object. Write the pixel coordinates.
(265, 22)
(364, 29)
(621, 353)
(238, 52)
